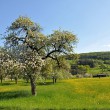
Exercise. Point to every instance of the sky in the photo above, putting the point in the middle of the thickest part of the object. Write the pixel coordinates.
(89, 20)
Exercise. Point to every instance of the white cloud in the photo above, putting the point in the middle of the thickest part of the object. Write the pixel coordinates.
(108, 45)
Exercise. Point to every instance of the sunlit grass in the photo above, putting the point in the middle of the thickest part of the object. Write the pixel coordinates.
(79, 94)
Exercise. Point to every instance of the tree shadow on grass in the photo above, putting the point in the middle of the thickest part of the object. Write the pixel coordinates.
(10, 108)
(13, 94)
(25, 84)
(6, 83)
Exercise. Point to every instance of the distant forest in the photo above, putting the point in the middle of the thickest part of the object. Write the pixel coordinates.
(96, 55)
(93, 63)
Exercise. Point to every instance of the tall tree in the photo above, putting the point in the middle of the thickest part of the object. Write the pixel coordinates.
(36, 47)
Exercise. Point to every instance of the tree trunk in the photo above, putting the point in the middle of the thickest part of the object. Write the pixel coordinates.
(33, 85)
(1, 78)
(55, 80)
(16, 80)
(11, 77)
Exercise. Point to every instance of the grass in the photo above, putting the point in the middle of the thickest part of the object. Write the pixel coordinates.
(73, 94)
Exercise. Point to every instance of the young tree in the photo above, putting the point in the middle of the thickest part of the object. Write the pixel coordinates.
(36, 47)
(83, 69)
(47, 69)
(15, 69)
(4, 57)
(60, 71)
(52, 70)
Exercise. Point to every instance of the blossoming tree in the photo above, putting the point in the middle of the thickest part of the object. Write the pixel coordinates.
(35, 47)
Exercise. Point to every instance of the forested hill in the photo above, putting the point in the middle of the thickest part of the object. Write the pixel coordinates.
(96, 55)
(93, 63)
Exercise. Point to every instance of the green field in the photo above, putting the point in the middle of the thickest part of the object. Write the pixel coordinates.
(75, 94)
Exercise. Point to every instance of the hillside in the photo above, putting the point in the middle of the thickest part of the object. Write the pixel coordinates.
(96, 55)
(93, 63)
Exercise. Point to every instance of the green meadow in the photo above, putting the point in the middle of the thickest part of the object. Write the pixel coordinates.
(72, 94)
